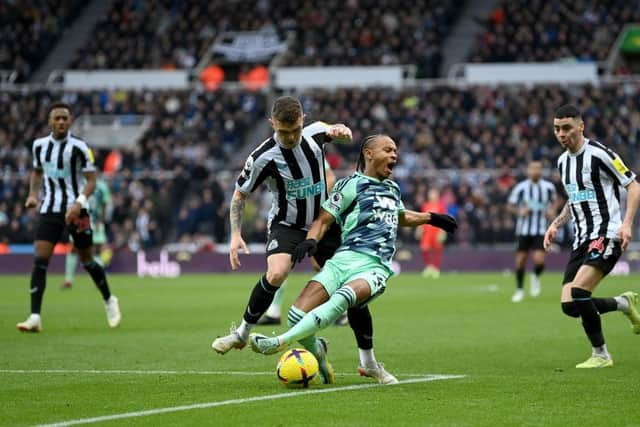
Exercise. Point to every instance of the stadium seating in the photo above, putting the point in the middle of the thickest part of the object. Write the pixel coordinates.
(472, 143)
(193, 137)
(172, 34)
(29, 29)
(538, 31)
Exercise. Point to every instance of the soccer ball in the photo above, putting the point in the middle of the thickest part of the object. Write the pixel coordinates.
(297, 368)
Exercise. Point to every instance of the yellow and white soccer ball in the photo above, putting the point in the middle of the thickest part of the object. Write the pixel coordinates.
(297, 368)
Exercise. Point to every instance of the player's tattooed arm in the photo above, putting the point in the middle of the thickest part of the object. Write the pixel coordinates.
(236, 211)
(563, 217)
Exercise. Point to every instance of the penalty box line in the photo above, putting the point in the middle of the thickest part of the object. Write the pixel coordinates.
(157, 411)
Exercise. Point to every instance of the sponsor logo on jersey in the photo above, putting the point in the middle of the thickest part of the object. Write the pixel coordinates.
(577, 196)
(302, 188)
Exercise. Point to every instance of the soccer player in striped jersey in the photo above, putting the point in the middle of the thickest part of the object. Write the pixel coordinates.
(291, 164)
(65, 165)
(368, 207)
(593, 176)
(532, 200)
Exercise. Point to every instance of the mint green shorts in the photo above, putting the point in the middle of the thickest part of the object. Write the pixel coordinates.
(347, 266)
(99, 234)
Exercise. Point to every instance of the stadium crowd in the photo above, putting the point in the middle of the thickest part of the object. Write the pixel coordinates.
(29, 29)
(175, 34)
(541, 31)
(174, 184)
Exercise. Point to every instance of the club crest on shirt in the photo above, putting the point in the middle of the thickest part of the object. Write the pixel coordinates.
(272, 245)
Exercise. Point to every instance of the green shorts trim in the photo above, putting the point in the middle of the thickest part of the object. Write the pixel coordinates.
(347, 266)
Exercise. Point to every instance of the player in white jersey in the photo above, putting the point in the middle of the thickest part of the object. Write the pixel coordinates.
(532, 200)
(593, 176)
(65, 165)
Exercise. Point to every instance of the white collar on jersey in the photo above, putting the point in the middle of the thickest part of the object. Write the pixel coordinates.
(275, 138)
(584, 145)
(66, 137)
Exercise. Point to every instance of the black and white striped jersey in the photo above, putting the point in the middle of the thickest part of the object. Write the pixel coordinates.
(295, 176)
(593, 178)
(538, 197)
(63, 164)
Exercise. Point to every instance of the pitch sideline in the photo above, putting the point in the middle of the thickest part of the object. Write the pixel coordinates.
(149, 412)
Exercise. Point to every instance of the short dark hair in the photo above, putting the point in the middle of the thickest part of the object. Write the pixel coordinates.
(58, 104)
(568, 111)
(286, 109)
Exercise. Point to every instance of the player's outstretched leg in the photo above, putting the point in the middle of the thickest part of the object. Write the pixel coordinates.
(317, 319)
(317, 346)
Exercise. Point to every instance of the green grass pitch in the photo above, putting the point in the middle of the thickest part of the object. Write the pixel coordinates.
(517, 359)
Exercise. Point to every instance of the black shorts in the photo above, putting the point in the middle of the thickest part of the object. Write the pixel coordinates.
(284, 239)
(601, 253)
(530, 243)
(52, 228)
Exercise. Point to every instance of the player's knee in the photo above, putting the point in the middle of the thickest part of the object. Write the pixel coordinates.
(570, 309)
(276, 277)
(41, 263)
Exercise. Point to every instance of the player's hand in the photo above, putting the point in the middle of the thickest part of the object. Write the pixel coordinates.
(32, 202)
(443, 221)
(550, 237)
(624, 234)
(524, 211)
(339, 132)
(237, 242)
(308, 247)
(73, 213)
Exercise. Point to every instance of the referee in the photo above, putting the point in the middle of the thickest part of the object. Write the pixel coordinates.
(532, 200)
(65, 165)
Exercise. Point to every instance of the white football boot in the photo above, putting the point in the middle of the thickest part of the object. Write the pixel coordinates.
(378, 373)
(518, 296)
(535, 289)
(113, 311)
(223, 344)
(32, 324)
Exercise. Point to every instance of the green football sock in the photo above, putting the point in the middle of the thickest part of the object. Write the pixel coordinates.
(310, 342)
(321, 316)
(70, 265)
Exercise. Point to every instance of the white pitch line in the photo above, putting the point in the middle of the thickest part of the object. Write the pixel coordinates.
(156, 372)
(157, 411)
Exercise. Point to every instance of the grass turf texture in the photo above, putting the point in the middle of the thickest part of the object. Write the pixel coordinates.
(518, 358)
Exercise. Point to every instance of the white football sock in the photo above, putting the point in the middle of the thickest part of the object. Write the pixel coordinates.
(623, 304)
(244, 329)
(602, 351)
(367, 358)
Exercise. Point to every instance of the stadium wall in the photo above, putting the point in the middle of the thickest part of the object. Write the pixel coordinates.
(158, 263)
